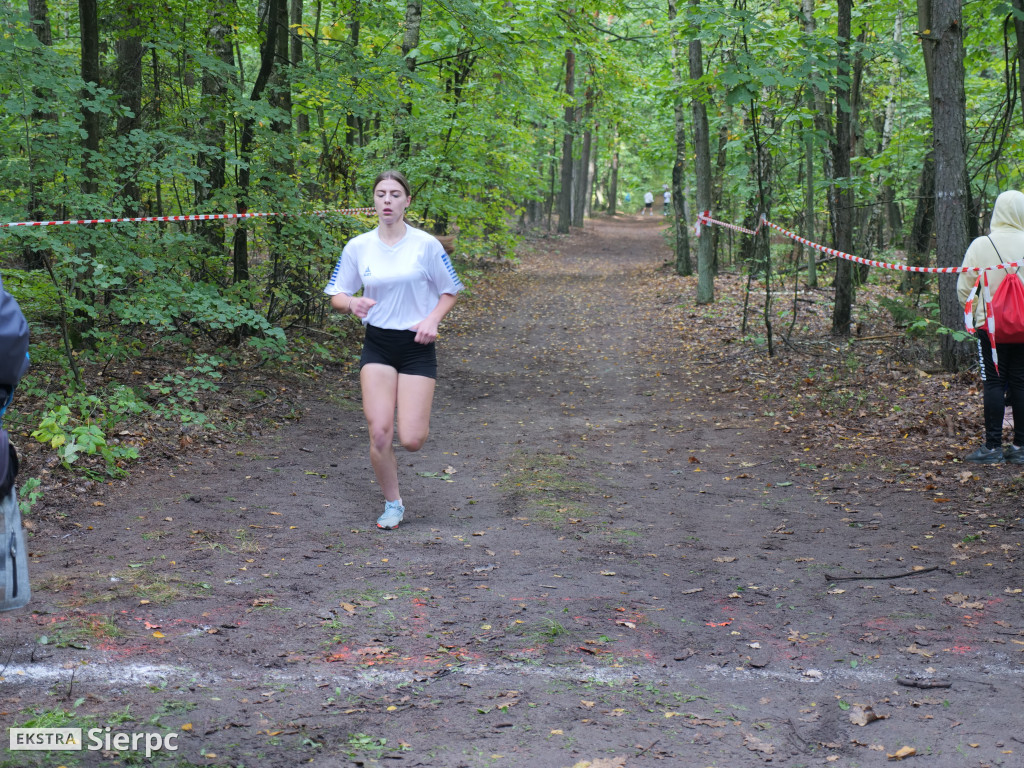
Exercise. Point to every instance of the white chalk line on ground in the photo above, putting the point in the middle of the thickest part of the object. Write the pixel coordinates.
(115, 674)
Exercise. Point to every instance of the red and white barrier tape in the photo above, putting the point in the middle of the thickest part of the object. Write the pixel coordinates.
(705, 218)
(982, 281)
(192, 217)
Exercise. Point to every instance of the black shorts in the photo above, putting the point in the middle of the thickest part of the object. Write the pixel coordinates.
(400, 350)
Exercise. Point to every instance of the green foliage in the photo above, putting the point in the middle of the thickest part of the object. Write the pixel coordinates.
(920, 320)
(71, 442)
(178, 393)
(473, 115)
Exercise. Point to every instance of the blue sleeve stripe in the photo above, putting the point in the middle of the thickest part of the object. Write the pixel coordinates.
(334, 274)
(451, 271)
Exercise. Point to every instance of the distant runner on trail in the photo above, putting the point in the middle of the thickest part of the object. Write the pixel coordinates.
(648, 204)
(409, 285)
(668, 200)
(1004, 243)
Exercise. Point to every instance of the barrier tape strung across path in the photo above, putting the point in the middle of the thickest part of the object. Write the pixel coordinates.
(980, 283)
(705, 218)
(191, 217)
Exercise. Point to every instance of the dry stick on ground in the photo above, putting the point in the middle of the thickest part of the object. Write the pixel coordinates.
(916, 683)
(830, 577)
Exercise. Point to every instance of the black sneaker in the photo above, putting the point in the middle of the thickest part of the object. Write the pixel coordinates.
(1014, 455)
(985, 455)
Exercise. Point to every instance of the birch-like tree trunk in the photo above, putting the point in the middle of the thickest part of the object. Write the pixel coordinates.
(940, 29)
(410, 41)
(565, 192)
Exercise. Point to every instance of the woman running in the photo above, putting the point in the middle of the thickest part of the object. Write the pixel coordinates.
(409, 285)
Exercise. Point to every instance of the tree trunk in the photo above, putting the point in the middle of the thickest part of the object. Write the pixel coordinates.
(941, 33)
(1018, 29)
(240, 259)
(888, 196)
(702, 150)
(128, 49)
(613, 182)
(410, 41)
(582, 175)
(808, 224)
(843, 211)
(683, 262)
(212, 166)
(921, 229)
(565, 193)
(40, 20)
(90, 36)
(296, 56)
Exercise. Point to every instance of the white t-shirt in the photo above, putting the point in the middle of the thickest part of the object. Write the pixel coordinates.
(648, 198)
(668, 197)
(406, 279)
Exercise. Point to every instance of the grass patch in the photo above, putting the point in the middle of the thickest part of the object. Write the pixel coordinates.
(545, 482)
(81, 631)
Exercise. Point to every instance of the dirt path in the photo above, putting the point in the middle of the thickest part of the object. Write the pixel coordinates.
(610, 558)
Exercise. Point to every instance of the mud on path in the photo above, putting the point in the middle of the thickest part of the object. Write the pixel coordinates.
(608, 559)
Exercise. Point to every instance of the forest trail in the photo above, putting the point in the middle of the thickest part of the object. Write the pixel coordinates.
(610, 558)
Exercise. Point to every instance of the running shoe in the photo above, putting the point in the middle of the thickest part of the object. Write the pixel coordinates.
(1014, 454)
(393, 512)
(983, 455)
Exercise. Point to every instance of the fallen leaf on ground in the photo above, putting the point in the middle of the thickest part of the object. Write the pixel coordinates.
(724, 559)
(755, 744)
(901, 753)
(864, 715)
(920, 651)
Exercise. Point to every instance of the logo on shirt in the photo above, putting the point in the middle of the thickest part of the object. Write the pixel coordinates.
(367, 272)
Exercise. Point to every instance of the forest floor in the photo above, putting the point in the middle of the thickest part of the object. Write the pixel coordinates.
(634, 539)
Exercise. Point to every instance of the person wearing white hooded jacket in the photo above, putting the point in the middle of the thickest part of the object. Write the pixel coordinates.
(1005, 240)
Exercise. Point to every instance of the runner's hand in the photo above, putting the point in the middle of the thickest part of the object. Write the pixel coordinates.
(360, 306)
(426, 331)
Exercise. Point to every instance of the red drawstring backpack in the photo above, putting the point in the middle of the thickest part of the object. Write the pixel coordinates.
(1007, 304)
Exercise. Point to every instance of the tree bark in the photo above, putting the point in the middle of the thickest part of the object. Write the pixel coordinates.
(128, 50)
(214, 90)
(613, 182)
(410, 41)
(683, 262)
(40, 21)
(240, 258)
(581, 177)
(941, 33)
(843, 212)
(922, 227)
(296, 53)
(1018, 29)
(808, 223)
(702, 150)
(90, 37)
(565, 192)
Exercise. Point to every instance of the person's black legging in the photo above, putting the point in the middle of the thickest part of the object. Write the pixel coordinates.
(996, 386)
